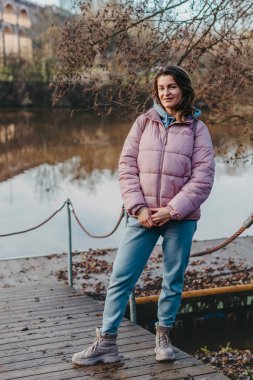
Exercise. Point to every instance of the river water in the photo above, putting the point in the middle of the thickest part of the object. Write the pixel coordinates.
(47, 157)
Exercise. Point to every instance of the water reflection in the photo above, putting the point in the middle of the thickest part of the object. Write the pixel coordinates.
(81, 144)
(46, 157)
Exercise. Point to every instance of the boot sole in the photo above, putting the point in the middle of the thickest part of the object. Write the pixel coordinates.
(161, 358)
(165, 358)
(100, 359)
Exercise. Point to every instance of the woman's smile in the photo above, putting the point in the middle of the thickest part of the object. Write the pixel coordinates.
(169, 93)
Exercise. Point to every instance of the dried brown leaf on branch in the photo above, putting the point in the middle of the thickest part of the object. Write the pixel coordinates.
(109, 54)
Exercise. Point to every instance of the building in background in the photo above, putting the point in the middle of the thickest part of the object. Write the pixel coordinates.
(22, 23)
(15, 40)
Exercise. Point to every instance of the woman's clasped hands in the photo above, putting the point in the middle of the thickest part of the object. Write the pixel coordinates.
(153, 217)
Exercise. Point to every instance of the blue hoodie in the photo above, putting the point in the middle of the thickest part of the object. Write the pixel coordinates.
(168, 119)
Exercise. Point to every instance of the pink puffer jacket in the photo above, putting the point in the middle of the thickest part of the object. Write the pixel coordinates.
(161, 167)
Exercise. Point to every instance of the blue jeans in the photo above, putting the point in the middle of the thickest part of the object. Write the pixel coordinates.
(133, 253)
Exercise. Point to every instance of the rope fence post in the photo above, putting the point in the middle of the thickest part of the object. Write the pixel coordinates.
(70, 272)
(132, 303)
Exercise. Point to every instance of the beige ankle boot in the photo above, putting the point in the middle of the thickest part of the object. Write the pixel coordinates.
(103, 350)
(164, 349)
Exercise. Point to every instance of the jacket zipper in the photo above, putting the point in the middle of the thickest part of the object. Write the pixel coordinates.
(161, 166)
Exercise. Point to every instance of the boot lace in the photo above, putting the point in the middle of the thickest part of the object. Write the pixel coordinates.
(164, 340)
(93, 347)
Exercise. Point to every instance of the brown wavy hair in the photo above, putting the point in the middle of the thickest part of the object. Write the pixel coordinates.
(183, 80)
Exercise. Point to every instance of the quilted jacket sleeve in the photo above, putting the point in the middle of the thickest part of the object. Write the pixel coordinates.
(198, 188)
(128, 172)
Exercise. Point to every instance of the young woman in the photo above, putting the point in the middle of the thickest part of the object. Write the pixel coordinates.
(166, 172)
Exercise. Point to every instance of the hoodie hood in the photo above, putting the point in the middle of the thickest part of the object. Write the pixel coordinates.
(168, 119)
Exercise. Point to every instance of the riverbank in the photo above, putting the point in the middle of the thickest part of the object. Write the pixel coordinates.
(91, 269)
(236, 364)
(35, 93)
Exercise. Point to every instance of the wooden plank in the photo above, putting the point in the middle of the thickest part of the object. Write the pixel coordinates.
(186, 373)
(128, 351)
(43, 350)
(49, 329)
(41, 288)
(39, 297)
(35, 326)
(87, 329)
(63, 338)
(81, 310)
(47, 337)
(56, 356)
(37, 305)
(33, 360)
(82, 307)
(43, 297)
(59, 349)
(53, 319)
(45, 284)
(132, 343)
(50, 294)
(75, 345)
(38, 300)
(127, 368)
(168, 371)
(76, 372)
(212, 376)
(57, 360)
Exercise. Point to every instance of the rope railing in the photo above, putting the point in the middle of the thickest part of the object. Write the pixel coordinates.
(70, 210)
(38, 225)
(246, 224)
(122, 213)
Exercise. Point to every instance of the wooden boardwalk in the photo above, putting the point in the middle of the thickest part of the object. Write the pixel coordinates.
(42, 325)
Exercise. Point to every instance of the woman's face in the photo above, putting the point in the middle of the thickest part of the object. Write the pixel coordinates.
(169, 93)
